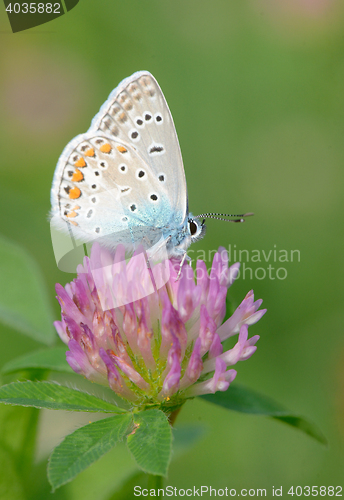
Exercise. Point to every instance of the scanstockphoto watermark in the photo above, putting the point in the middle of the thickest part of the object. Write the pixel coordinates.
(255, 263)
(172, 491)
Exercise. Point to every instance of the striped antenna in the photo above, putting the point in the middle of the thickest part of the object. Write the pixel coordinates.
(234, 218)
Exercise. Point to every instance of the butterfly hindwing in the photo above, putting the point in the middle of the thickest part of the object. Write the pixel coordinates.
(105, 187)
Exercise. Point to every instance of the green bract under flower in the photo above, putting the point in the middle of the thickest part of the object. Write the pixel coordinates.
(154, 339)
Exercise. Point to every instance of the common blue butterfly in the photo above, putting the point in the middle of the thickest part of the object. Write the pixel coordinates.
(123, 180)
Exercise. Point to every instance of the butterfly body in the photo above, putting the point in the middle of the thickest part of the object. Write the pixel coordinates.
(123, 180)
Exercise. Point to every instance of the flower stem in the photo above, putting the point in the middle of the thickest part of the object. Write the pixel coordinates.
(154, 483)
(173, 416)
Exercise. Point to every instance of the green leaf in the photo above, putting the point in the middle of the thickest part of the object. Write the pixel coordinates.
(47, 359)
(23, 297)
(53, 397)
(242, 399)
(84, 446)
(151, 441)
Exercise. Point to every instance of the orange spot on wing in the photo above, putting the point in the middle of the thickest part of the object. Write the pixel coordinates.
(72, 214)
(73, 222)
(105, 148)
(76, 207)
(74, 193)
(77, 176)
(121, 149)
(80, 163)
(89, 152)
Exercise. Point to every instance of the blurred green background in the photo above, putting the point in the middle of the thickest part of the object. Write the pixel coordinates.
(256, 92)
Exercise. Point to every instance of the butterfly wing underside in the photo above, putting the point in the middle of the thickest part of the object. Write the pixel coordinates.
(126, 173)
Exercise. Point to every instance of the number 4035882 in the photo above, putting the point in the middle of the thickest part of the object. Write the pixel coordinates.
(314, 491)
(33, 8)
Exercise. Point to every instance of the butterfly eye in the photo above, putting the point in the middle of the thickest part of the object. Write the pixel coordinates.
(193, 227)
(197, 229)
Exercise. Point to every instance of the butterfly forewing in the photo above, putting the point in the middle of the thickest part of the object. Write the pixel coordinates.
(137, 113)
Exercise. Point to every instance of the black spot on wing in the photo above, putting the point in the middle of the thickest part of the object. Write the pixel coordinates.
(156, 149)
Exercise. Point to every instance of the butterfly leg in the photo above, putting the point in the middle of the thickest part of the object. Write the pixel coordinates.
(150, 270)
(181, 265)
(151, 252)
